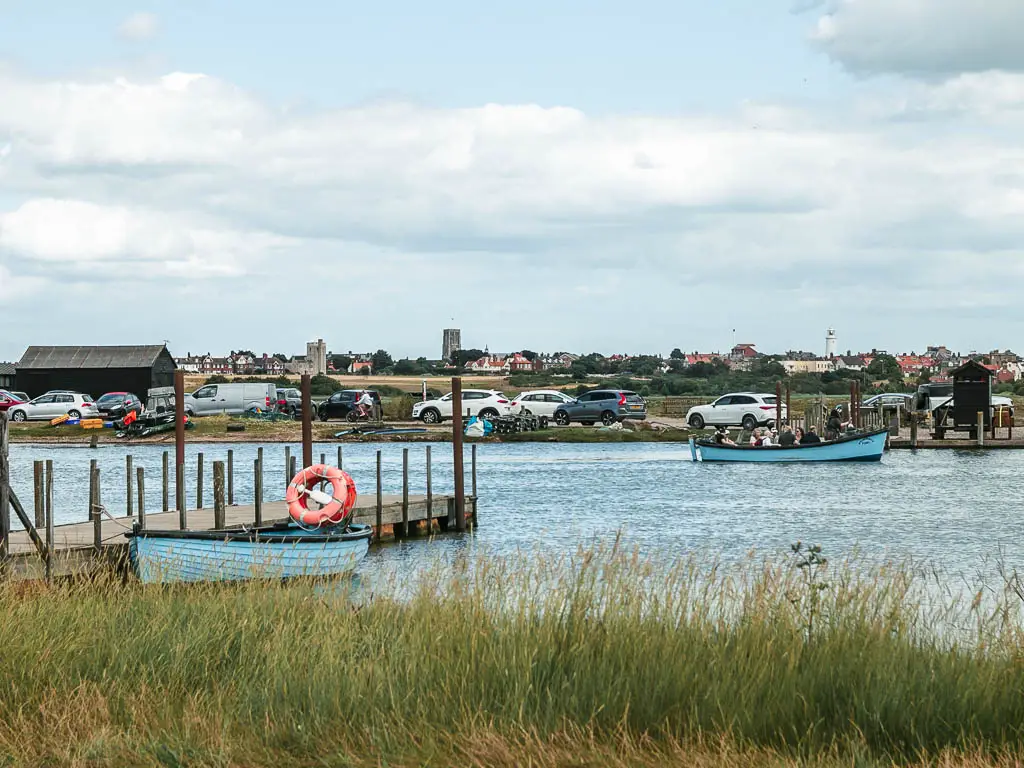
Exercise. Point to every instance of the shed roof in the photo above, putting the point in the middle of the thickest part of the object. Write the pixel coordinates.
(7, 369)
(90, 357)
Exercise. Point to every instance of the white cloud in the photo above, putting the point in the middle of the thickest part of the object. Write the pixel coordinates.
(139, 27)
(923, 37)
(185, 180)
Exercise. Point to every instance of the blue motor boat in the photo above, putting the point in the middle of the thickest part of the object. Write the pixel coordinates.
(858, 447)
(280, 551)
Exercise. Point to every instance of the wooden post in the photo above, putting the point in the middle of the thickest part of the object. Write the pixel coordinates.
(96, 499)
(37, 493)
(128, 483)
(141, 484)
(179, 447)
(179, 492)
(287, 466)
(981, 428)
(459, 469)
(231, 478)
(339, 457)
(257, 489)
(5, 491)
(789, 413)
(165, 497)
(218, 495)
(48, 512)
(778, 419)
(307, 422)
(405, 492)
(294, 470)
(199, 482)
(430, 496)
(380, 498)
(913, 430)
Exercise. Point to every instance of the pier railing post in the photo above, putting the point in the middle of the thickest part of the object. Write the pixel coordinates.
(459, 469)
(5, 490)
(141, 485)
(219, 521)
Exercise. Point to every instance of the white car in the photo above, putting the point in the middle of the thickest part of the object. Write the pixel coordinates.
(740, 409)
(541, 402)
(486, 403)
(54, 404)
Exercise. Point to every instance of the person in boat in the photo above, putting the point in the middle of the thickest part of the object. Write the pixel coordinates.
(787, 439)
(834, 424)
(798, 433)
(810, 437)
(769, 438)
(755, 438)
(722, 437)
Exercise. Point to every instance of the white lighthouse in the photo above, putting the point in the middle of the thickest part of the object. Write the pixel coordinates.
(830, 343)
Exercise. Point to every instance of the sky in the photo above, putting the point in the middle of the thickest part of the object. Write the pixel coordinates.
(593, 176)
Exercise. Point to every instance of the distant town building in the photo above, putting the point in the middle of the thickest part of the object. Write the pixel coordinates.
(850, 363)
(358, 366)
(316, 356)
(807, 366)
(557, 361)
(451, 342)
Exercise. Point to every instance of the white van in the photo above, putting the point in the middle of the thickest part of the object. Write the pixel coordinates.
(231, 399)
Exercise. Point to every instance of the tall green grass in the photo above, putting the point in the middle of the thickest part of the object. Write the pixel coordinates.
(603, 650)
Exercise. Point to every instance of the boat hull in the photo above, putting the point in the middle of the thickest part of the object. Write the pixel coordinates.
(160, 557)
(866, 447)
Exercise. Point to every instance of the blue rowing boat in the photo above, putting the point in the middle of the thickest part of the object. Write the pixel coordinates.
(859, 447)
(282, 551)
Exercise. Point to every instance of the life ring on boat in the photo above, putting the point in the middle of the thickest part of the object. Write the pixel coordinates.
(335, 507)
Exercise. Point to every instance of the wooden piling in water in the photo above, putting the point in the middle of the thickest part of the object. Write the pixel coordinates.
(219, 521)
(141, 485)
(287, 465)
(339, 458)
(294, 469)
(199, 482)
(179, 494)
(430, 496)
(307, 422)
(37, 493)
(257, 489)
(231, 478)
(5, 490)
(405, 492)
(179, 447)
(128, 483)
(778, 421)
(913, 430)
(981, 428)
(380, 500)
(165, 496)
(48, 514)
(459, 469)
(95, 500)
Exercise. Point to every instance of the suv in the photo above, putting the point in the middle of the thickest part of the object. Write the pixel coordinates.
(605, 405)
(117, 405)
(741, 409)
(289, 400)
(341, 404)
(485, 403)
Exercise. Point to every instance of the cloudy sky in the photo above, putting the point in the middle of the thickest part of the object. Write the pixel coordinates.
(582, 175)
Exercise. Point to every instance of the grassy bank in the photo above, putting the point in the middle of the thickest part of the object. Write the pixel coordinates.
(601, 659)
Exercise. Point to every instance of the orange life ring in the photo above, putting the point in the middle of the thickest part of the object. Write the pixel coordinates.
(335, 507)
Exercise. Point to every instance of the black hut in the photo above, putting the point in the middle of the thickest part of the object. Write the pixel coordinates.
(95, 370)
(972, 394)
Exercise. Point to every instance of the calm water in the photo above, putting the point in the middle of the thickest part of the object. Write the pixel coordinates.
(951, 509)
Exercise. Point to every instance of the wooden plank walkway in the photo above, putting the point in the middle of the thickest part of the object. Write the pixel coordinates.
(81, 536)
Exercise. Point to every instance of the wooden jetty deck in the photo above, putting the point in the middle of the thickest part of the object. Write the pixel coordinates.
(75, 551)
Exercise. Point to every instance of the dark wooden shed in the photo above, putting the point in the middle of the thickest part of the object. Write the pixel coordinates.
(95, 370)
(972, 394)
(7, 374)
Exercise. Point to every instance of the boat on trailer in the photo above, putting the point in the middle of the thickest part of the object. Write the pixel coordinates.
(282, 551)
(864, 446)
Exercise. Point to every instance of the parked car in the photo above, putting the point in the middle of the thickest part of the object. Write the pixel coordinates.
(605, 405)
(289, 400)
(54, 404)
(232, 399)
(8, 399)
(341, 404)
(543, 402)
(485, 403)
(117, 405)
(23, 396)
(739, 409)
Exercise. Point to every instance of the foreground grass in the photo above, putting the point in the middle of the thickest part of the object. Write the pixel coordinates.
(599, 659)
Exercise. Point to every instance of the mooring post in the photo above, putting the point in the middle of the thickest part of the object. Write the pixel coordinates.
(430, 496)
(94, 507)
(141, 485)
(257, 489)
(405, 492)
(293, 468)
(287, 466)
(339, 458)
(472, 464)
(789, 413)
(165, 497)
(179, 447)
(218, 495)
(5, 490)
(460, 479)
(913, 430)
(179, 493)
(231, 478)
(981, 428)
(307, 422)
(778, 411)
(199, 481)
(129, 483)
(37, 493)
(380, 498)
(48, 513)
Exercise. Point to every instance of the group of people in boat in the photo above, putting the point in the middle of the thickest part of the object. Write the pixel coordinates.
(766, 437)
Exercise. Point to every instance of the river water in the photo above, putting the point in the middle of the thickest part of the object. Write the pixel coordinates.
(950, 509)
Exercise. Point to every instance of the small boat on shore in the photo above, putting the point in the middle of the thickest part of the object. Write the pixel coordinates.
(867, 446)
(282, 551)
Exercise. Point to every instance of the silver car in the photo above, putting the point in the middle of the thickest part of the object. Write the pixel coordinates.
(55, 404)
